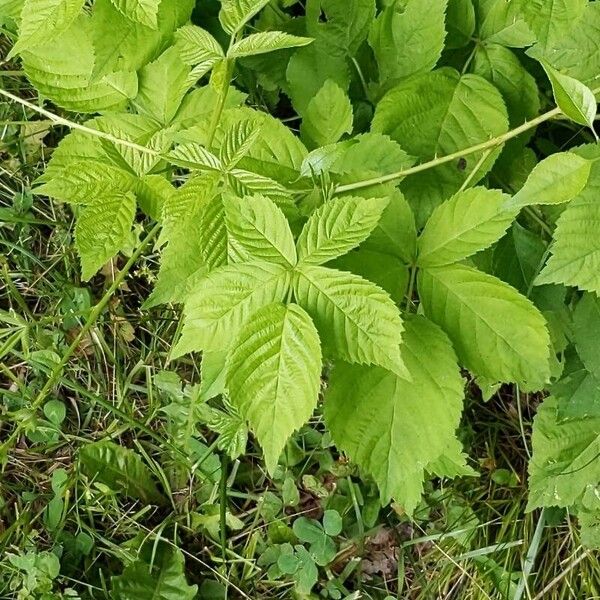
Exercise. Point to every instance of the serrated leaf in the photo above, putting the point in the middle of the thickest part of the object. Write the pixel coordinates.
(501, 22)
(460, 23)
(220, 304)
(565, 458)
(196, 45)
(462, 226)
(586, 332)
(195, 156)
(82, 181)
(235, 14)
(557, 179)
(43, 21)
(356, 320)
(409, 42)
(266, 41)
(119, 468)
(575, 99)
(575, 258)
(274, 374)
(328, 115)
(159, 574)
(394, 428)
(450, 113)
(103, 229)
(162, 86)
(497, 333)
(246, 183)
(140, 11)
(338, 226)
(260, 227)
(238, 140)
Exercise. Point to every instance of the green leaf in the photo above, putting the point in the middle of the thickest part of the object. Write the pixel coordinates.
(551, 20)
(266, 41)
(450, 113)
(338, 226)
(556, 180)
(409, 42)
(159, 575)
(238, 141)
(565, 458)
(119, 468)
(162, 86)
(462, 226)
(328, 115)
(501, 22)
(196, 46)
(220, 304)
(274, 374)
(586, 332)
(574, 98)
(577, 395)
(501, 67)
(356, 320)
(140, 11)
(260, 227)
(575, 259)
(391, 427)
(82, 181)
(102, 230)
(43, 21)
(497, 333)
(460, 23)
(235, 14)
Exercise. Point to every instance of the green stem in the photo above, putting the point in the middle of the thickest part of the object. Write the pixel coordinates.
(91, 320)
(223, 92)
(411, 288)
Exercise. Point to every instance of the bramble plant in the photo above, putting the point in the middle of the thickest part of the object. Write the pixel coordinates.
(392, 238)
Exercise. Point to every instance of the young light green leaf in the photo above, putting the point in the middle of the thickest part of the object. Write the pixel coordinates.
(119, 468)
(159, 575)
(266, 41)
(574, 98)
(238, 140)
(565, 458)
(409, 42)
(196, 46)
(462, 226)
(195, 156)
(557, 179)
(391, 427)
(274, 372)
(43, 21)
(356, 320)
(260, 227)
(235, 14)
(328, 115)
(141, 11)
(103, 229)
(338, 226)
(497, 332)
(220, 304)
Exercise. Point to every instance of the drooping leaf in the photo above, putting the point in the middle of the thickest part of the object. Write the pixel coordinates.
(103, 229)
(328, 115)
(462, 226)
(450, 113)
(497, 332)
(266, 41)
(338, 226)
(557, 179)
(356, 320)
(157, 574)
(120, 469)
(391, 427)
(274, 374)
(574, 98)
(260, 227)
(409, 42)
(219, 305)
